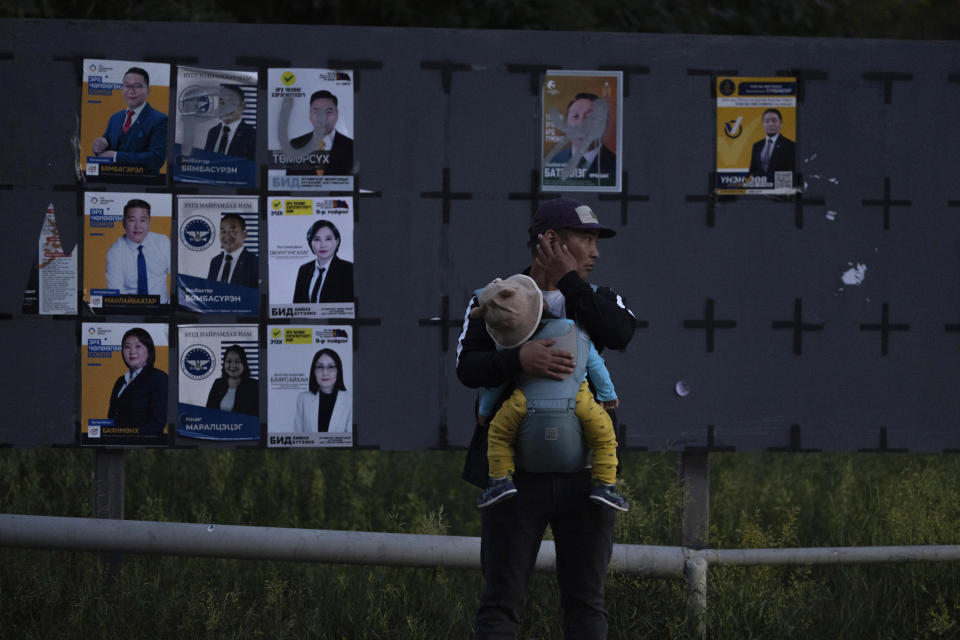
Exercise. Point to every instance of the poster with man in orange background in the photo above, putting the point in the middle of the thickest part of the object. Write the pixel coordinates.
(581, 135)
(756, 135)
(126, 252)
(123, 121)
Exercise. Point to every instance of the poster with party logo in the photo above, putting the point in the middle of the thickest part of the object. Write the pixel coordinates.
(310, 393)
(219, 382)
(124, 384)
(310, 114)
(311, 257)
(126, 252)
(218, 258)
(756, 136)
(216, 135)
(123, 122)
(581, 132)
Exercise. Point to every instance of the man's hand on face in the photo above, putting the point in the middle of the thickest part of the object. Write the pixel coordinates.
(553, 260)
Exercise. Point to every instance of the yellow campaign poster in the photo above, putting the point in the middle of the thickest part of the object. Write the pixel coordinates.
(756, 135)
(124, 383)
(123, 121)
(126, 252)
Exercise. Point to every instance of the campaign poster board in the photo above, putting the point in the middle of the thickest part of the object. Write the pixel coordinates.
(310, 115)
(216, 132)
(57, 271)
(294, 353)
(209, 229)
(756, 136)
(114, 411)
(110, 259)
(581, 133)
(302, 235)
(219, 374)
(110, 149)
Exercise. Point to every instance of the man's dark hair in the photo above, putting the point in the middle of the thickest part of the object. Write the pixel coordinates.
(136, 203)
(235, 216)
(592, 97)
(140, 72)
(772, 110)
(323, 93)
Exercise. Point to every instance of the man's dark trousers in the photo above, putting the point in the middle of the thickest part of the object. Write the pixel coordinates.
(512, 531)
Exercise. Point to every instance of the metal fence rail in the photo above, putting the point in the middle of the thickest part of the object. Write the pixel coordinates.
(306, 545)
(409, 550)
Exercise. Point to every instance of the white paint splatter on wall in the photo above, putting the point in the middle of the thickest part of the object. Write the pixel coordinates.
(855, 274)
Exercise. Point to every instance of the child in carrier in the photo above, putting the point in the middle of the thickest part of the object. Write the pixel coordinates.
(512, 310)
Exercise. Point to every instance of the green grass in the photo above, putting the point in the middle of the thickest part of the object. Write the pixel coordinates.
(758, 500)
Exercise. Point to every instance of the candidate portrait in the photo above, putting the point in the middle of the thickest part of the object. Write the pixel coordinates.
(326, 405)
(325, 150)
(139, 261)
(235, 390)
(774, 152)
(137, 135)
(232, 136)
(326, 278)
(139, 397)
(584, 126)
(235, 264)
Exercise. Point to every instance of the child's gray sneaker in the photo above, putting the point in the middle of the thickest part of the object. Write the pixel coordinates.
(607, 494)
(499, 489)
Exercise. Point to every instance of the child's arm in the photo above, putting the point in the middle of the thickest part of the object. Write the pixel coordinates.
(600, 377)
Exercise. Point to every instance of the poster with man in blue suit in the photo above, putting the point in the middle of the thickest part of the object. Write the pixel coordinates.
(218, 256)
(216, 135)
(123, 132)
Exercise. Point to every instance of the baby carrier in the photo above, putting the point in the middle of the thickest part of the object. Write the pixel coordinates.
(550, 439)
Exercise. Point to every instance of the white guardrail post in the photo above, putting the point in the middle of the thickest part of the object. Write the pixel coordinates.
(695, 571)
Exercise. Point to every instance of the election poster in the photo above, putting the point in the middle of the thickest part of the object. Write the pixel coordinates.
(756, 136)
(123, 121)
(57, 271)
(126, 252)
(124, 383)
(219, 382)
(581, 131)
(310, 130)
(310, 397)
(311, 257)
(216, 133)
(218, 255)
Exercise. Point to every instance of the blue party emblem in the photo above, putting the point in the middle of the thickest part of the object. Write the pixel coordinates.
(196, 233)
(197, 362)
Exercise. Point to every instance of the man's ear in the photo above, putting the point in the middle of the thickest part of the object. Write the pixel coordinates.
(551, 235)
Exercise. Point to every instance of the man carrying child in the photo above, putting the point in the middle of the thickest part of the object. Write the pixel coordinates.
(563, 242)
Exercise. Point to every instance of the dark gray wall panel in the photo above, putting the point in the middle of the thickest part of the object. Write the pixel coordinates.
(476, 121)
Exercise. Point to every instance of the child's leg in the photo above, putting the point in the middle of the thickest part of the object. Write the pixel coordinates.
(503, 434)
(598, 432)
